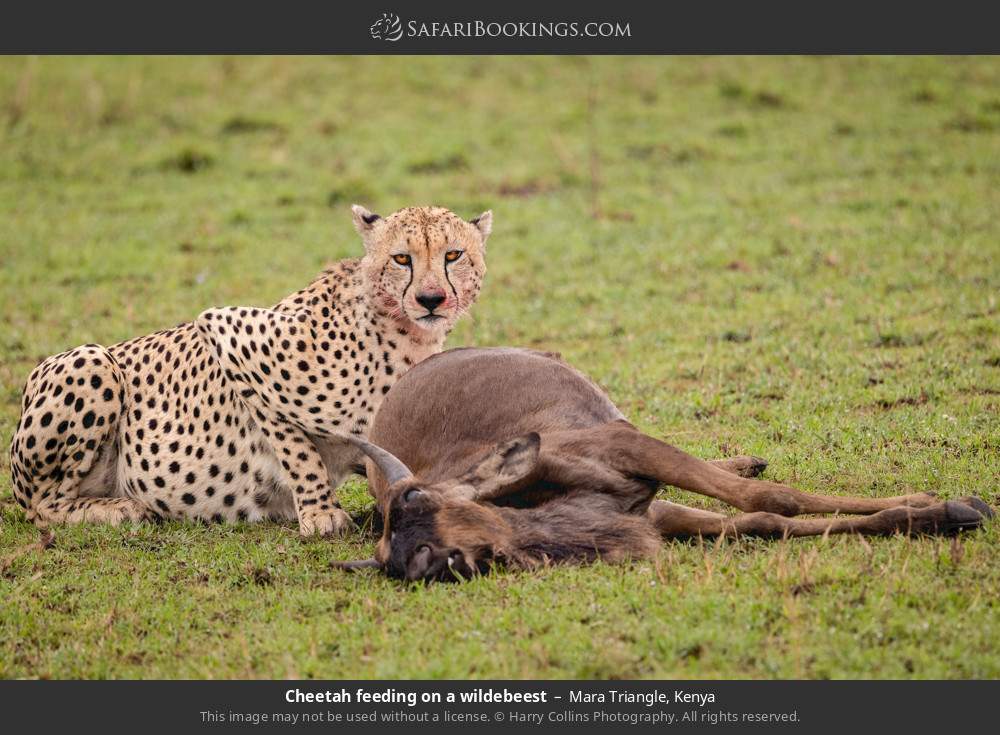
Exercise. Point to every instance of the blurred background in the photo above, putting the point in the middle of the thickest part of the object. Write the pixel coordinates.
(647, 209)
(794, 257)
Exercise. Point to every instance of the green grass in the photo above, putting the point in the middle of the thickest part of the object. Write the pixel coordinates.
(792, 257)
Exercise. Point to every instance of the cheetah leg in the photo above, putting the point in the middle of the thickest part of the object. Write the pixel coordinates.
(69, 416)
(92, 510)
(316, 503)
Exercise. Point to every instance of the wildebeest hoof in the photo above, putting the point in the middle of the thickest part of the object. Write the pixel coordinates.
(745, 466)
(961, 517)
(979, 505)
(756, 466)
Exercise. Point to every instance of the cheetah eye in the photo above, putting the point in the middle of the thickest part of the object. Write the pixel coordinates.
(452, 255)
(401, 258)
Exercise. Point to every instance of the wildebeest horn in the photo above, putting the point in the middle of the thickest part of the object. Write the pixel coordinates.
(353, 566)
(391, 468)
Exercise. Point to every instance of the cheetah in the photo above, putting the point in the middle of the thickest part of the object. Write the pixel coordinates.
(245, 414)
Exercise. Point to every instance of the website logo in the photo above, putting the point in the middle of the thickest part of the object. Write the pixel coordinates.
(390, 28)
(387, 28)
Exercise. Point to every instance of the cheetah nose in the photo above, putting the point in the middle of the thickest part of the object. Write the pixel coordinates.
(430, 301)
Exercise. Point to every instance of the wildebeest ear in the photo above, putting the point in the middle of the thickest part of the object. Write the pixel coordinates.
(509, 463)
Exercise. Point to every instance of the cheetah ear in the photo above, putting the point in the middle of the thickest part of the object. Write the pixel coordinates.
(364, 221)
(484, 223)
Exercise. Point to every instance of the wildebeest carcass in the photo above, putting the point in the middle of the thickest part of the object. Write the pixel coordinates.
(513, 457)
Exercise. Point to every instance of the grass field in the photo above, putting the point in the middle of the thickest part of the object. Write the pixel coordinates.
(797, 258)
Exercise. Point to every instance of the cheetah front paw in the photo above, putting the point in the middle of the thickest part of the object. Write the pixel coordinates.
(114, 511)
(333, 522)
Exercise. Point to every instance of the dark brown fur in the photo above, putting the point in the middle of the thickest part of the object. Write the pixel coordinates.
(518, 458)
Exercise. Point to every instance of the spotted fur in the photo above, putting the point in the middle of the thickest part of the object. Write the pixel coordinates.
(237, 415)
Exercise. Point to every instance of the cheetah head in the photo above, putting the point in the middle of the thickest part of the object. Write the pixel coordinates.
(425, 264)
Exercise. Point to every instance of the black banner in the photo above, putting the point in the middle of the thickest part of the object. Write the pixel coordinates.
(514, 27)
(497, 706)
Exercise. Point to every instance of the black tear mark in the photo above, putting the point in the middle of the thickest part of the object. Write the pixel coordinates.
(447, 277)
(402, 299)
(369, 218)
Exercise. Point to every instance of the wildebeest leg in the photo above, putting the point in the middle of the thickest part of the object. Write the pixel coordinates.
(744, 466)
(586, 442)
(677, 521)
(633, 453)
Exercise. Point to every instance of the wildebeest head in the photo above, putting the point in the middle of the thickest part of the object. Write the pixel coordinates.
(502, 510)
(447, 530)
